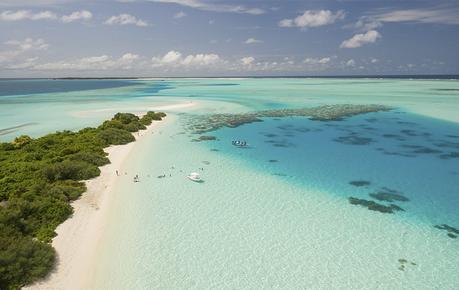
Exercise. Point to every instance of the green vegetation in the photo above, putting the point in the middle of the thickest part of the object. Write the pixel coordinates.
(38, 180)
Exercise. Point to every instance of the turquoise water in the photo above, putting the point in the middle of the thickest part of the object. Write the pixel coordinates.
(245, 228)
(407, 153)
(274, 215)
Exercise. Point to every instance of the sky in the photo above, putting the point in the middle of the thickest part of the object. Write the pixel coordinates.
(159, 38)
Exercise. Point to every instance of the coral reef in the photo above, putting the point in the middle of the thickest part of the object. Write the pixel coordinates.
(200, 124)
(204, 138)
(360, 183)
(452, 231)
(371, 205)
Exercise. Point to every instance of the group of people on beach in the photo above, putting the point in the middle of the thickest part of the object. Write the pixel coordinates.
(137, 178)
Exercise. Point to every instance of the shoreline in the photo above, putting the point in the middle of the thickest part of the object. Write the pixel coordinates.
(77, 238)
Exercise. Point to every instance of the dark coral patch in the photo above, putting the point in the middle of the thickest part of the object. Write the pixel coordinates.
(371, 120)
(398, 153)
(426, 150)
(411, 133)
(279, 174)
(353, 140)
(302, 130)
(394, 136)
(371, 205)
(282, 143)
(450, 155)
(403, 263)
(360, 183)
(447, 144)
(446, 90)
(285, 127)
(396, 207)
(452, 231)
(411, 146)
(205, 138)
(388, 196)
(406, 123)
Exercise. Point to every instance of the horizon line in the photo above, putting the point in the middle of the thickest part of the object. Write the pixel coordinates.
(442, 76)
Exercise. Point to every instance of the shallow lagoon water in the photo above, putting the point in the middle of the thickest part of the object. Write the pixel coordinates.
(245, 228)
(275, 215)
(403, 152)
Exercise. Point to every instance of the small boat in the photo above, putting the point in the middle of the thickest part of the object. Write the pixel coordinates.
(194, 177)
(239, 143)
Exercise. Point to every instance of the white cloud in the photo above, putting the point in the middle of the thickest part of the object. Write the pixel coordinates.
(201, 59)
(250, 64)
(31, 2)
(179, 15)
(128, 58)
(377, 18)
(350, 62)
(360, 39)
(313, 18)
(18, 49)
(95, 63)
(77, 15)
(374, 60)
(171, 57)
(252, 41)
(18, 15)
(366, 23)
(175, 59)
(28, 44)
(26, 64)
(126, 19)
(248, 60)
(316, 61)
(216, 7)
(440, 16)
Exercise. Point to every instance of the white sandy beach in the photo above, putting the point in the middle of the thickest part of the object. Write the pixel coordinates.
(77, 238)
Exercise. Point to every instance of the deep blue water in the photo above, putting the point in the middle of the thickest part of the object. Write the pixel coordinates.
(40, 86)
(415, 156)
(156, 87)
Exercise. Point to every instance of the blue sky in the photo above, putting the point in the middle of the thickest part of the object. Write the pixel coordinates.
(49, 38)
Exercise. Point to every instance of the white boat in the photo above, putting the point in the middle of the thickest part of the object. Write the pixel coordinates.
(194, 177)
(239, 143)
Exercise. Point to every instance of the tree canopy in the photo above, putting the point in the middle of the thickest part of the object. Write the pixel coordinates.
(38, 180)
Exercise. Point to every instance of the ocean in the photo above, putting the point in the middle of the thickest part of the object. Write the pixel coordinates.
(278, 213)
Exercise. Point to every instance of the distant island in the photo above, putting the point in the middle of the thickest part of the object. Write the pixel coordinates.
(357, 76)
